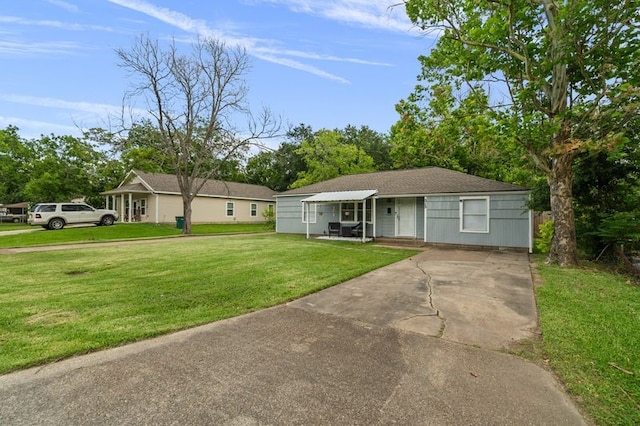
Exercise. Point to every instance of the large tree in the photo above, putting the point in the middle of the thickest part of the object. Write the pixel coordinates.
(327, 155)
(567, 71)
(436, 128)
(194, 101)
(16, 157)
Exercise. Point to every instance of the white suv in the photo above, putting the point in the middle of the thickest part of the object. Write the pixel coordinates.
(57, 215)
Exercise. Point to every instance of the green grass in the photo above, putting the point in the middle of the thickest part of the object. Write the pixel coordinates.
(9, 226)
(56, 304)
(590, 321)
(119, 232)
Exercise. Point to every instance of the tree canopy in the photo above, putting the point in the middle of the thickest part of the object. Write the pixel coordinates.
(562, 76)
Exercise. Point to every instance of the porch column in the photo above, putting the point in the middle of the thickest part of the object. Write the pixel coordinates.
(306, 209)
(130, 207)
(121, 207)
(157, 210)
(425, 219)
(373, 217)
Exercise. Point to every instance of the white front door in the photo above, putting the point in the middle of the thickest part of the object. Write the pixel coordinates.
(405, 217)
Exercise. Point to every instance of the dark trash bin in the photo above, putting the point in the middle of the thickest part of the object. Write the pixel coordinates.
(180, 222)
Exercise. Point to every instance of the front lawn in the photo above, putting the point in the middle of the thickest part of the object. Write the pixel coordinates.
(56, 304)
(590, 321)
(120, 231)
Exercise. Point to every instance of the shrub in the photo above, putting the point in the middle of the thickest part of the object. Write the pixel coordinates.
(543, 243)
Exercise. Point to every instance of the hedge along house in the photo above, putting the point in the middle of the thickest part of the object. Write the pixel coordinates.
(155, 198)
(431, 205)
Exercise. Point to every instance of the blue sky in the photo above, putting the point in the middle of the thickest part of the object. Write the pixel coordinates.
(324, 63)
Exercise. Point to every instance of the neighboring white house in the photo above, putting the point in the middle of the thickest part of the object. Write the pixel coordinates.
(155, 198)
(431, 205)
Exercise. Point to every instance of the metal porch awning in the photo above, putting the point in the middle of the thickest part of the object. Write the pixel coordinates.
(333, 197)
(342, 196)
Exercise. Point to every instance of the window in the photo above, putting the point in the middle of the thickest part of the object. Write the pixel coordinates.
(45, 208)
(352, 212)
(368, 211)
(312, 212)
(474, 214)
(347, 212)
(230, 208)
(254, 210)
(143, 206)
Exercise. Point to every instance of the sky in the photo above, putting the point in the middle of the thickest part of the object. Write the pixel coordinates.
(322, 63)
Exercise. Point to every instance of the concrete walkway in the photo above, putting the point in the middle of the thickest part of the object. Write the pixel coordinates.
(416, 342)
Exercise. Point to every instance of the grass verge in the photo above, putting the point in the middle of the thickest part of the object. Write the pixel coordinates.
(590, 321)
(57, 304)
(121, 231)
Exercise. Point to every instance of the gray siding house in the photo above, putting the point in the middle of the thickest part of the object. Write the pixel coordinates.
(432, 205)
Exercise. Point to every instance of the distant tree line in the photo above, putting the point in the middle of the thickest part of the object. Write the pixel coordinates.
(606, 184)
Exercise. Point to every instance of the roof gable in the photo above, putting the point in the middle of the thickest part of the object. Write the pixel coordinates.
(428, 180)
(160, 182)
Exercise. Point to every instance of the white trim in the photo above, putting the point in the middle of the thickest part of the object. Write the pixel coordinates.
(340, 196)
(435, 194)
(425, 219)
(313, 212)
(398, 219)
(488, 211)
(373, 216)
(157, 208)
(226, 208)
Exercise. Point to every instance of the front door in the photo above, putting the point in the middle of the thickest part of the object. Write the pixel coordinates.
(406, 217)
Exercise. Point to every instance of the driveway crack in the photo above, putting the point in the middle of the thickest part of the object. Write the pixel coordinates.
(428, 283)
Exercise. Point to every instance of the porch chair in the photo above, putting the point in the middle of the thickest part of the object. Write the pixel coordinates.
(334, 228)
(356, 231)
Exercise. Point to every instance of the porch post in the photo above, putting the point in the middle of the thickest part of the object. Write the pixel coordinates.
(425, 219)
(364, 219)
(122, 207)
(306, 209)
(130, 207)
(373, 216)
(157, 210)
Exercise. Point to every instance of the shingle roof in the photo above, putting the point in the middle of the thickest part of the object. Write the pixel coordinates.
(160, 182)
(429, 180)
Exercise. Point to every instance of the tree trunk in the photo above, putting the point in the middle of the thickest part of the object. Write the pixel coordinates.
(564, 246)
(186, 209)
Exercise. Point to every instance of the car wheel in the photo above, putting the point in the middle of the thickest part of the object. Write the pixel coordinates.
(107, 221)
(16, 220)
(56, 224)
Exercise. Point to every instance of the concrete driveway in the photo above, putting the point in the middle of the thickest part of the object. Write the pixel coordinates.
(417, 342)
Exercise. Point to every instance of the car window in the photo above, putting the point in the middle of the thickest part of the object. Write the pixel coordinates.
(45, 208)
(70, 208)
(84, 208)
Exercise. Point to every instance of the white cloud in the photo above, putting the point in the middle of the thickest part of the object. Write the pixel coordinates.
(262, 49)
(64, 5)
(31, 129)
(52, 24)
(377, 14)
(80, 107)
(25, 48)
